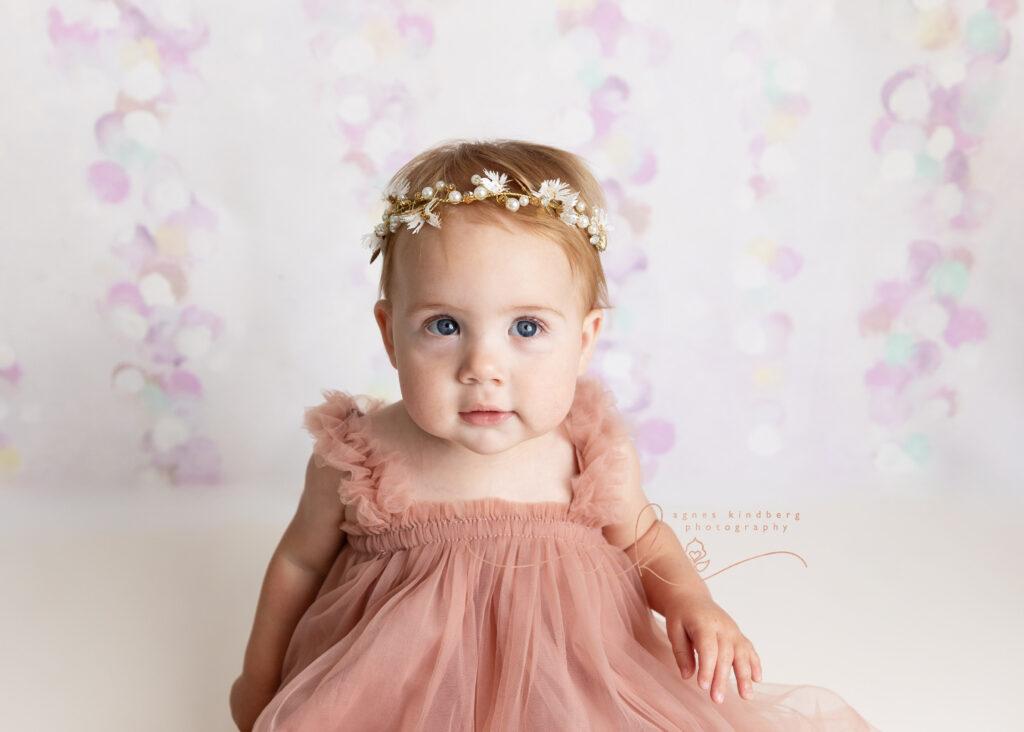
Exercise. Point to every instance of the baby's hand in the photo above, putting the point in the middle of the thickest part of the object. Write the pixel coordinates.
(699, 624)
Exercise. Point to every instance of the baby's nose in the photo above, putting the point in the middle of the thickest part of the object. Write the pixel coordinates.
(482, 361)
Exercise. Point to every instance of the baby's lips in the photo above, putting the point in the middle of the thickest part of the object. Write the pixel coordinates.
(485, 418)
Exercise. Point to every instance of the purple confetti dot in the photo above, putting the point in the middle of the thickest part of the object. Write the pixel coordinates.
(922, 255)
(12, 373)
(657, 436)
(884, 376)
(647, 169)
(416, 28)
(787, 263)
(956, 168)
(182, 383)
(965, 325)
(1005, 9)
(608, 23)
(926, 358)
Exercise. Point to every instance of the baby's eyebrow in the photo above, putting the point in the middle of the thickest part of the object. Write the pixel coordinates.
(417, 308)
(423, 307)
(544, 308)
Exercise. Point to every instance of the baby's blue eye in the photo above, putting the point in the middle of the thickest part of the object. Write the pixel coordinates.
(443, 326)
(526, 328)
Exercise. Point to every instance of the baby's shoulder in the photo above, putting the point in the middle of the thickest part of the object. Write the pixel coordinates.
(347, 427)
(389, 436)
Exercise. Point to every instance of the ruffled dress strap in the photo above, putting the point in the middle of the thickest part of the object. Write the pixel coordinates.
(344, 442)
(600, 434)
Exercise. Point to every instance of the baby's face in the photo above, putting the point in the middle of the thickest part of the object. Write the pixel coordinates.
(487, 333)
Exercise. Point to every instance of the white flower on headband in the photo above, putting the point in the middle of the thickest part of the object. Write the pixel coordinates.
(372, 241)
(553, 190)
(599, 220)
(415, 219)
(495, 183)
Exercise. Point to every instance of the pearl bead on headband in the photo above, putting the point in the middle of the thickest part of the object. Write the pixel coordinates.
(553, 196)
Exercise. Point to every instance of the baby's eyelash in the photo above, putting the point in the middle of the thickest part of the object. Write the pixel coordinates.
(429, 323)
(538, 324)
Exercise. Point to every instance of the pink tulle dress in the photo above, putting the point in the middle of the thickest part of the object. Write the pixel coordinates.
(497, 615)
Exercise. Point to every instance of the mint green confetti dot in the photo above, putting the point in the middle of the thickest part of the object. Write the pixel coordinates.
(762, 298)
(137, 156)
(772, 90)
(899, 347)
(928, 168)
(983, 32)
(155, 398)
(977, 104)
(624, 319)
(949, 278)
(918, 447)
(123, 154)
(590, 76)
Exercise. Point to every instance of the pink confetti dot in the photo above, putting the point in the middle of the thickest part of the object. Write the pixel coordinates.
(109, 181)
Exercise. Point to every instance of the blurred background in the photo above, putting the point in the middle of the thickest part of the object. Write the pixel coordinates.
(816, 281)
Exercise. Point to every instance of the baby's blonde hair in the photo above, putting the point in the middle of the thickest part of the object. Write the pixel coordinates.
(457, 161)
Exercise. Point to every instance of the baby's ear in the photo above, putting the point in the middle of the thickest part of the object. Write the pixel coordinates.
(592, 322)
(383, 314)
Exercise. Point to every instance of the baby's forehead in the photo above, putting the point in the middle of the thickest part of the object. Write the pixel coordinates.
(461, 233)
(455, 266)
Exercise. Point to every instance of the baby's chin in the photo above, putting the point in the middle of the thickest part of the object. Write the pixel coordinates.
(506, 440)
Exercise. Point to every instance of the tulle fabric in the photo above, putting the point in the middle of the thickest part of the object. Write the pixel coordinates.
(497, 615)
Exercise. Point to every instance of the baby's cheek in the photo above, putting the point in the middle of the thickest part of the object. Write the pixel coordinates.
(553, 407)
(426, 416)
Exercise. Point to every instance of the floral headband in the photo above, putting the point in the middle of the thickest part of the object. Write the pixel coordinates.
(553, 196)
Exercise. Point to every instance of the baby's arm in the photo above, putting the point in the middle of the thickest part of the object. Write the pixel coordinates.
(297, 569)
(676, 590)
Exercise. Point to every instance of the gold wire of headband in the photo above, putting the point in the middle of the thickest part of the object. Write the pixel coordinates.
(553, 196)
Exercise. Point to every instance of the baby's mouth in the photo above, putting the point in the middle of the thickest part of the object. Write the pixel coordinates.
(484, 416)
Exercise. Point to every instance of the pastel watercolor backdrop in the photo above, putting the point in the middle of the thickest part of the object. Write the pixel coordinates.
(814, 267)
